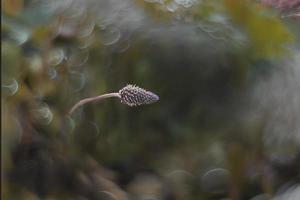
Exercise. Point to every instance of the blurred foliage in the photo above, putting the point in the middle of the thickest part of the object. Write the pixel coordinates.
(226, 126)
(259, 26)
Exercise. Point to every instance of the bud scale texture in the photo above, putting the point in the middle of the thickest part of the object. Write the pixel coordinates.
(135, 96)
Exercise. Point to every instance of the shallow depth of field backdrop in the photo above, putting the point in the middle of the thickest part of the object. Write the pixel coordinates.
(227, 125)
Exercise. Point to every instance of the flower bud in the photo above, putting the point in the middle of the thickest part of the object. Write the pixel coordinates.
(135, 96)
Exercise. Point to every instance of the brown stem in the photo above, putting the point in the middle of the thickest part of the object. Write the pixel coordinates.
(93, 99)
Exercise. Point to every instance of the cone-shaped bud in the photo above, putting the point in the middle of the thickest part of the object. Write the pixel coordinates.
(135, 96)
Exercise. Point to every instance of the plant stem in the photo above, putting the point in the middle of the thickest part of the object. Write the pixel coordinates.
(93, 99)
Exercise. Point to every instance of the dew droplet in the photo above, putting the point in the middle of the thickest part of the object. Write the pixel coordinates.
(180, 178)
(77, 10)
(186, 3)
(215, 181)
(172, 7)
(43, 114)
(77, 80)
(87, 29)
(86, 42)
(122, 46)
(77, 58)
(179, 173)
(69, 124)
(20, 35)
(52, 73)
(110, 35)
(56, 56)
(103, 24)
(10, 87)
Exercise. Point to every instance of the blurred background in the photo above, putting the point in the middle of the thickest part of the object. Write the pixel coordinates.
(227, 125)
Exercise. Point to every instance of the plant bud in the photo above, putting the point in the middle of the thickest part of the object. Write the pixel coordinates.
(135, 96)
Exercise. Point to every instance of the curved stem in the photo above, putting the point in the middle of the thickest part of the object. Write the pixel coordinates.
(93, 99)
